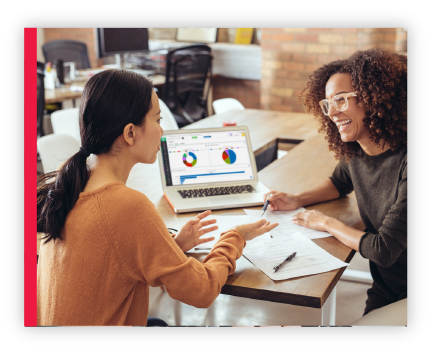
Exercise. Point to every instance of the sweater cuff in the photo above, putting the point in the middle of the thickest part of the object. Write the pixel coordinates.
(238, 232)
(338, 187)
(363, 237)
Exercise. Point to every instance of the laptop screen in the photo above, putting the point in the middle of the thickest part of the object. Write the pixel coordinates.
(206, 157)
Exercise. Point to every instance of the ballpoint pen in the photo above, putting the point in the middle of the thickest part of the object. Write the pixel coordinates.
(266, 204)
(288, 259)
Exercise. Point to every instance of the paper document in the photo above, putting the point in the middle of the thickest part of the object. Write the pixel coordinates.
(225, 223)
(286, 226)
(76, 88)
(266, 253)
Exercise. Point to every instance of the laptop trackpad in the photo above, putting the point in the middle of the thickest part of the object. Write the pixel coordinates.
(226, 200)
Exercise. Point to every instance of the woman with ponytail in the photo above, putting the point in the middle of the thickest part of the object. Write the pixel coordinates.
(104, 243)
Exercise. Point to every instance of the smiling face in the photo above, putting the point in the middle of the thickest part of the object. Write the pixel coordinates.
(349, 122)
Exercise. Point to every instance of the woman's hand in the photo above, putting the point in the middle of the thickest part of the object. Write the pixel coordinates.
(189, 235)
(311, 219)
(281, 201)
(252, 230)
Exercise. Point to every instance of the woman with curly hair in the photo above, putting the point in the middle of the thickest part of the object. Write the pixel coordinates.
(361, 104)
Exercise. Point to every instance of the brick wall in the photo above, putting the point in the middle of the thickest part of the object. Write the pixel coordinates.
(290, 55)
(85, 35)
(401, 40)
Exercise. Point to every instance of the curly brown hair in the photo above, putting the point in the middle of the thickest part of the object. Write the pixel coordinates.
(379, 78)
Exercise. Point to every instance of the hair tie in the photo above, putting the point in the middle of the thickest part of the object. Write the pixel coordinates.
(84, 152)
(56, 194)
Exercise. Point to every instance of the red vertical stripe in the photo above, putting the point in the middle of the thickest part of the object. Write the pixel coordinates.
(30, 175)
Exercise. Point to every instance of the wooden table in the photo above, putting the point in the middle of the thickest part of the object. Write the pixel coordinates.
(59, 95)
(305, 166)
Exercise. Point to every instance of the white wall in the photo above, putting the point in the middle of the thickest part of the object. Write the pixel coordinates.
(40, 42)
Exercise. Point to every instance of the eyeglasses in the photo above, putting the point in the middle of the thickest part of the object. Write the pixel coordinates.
(339, 101)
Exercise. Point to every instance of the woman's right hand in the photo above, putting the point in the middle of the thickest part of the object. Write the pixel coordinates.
(252, 230)
(281, 201)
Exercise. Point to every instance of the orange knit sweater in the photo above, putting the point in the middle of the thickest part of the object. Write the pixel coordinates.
(114, 246)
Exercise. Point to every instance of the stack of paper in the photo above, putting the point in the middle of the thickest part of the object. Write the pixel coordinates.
(286, 226)
(76, 88)
(266, 253)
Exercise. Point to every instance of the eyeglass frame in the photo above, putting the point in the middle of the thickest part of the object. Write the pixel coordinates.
(333, 103)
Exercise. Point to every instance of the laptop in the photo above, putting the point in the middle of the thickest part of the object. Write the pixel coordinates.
(209, 169)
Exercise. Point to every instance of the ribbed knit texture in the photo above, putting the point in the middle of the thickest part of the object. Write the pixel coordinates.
(114, 245)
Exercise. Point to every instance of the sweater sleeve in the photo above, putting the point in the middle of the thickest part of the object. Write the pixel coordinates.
(147, 252)
(341, 178)
(385, 247)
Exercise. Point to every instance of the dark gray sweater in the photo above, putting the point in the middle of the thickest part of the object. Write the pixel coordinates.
(380, 184)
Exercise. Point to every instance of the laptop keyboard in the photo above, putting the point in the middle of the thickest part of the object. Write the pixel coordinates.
(241, 189)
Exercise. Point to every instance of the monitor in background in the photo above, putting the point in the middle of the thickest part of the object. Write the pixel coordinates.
(112, 41)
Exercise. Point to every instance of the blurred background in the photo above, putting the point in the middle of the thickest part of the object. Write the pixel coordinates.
(277, 63)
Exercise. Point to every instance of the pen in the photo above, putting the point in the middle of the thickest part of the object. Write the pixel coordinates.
(266, 204)
(288, 259)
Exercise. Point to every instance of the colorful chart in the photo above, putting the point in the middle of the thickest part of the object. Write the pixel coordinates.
(229, 156)
(186, 163)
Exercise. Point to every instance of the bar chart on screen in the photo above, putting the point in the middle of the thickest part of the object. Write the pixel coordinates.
(211, 177)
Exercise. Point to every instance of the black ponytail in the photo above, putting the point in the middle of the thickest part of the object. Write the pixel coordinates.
(111, 100)
(57, 198)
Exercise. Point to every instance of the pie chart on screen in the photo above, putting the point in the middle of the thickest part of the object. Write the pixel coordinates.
(189, 159)
(229, 156)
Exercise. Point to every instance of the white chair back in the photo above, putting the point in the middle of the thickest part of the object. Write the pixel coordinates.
(395, 314)
(54, 149)
(168, 122)
(226, 104)
(66, 121)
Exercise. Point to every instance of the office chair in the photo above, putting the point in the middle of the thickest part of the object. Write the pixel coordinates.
(55, 149)
(226, 104)
(394, 314)
(67, 50)
(187, 82)
(168, 122)
(66, 121)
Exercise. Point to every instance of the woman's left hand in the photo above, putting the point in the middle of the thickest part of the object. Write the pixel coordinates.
(311, 219)
(189, 235)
